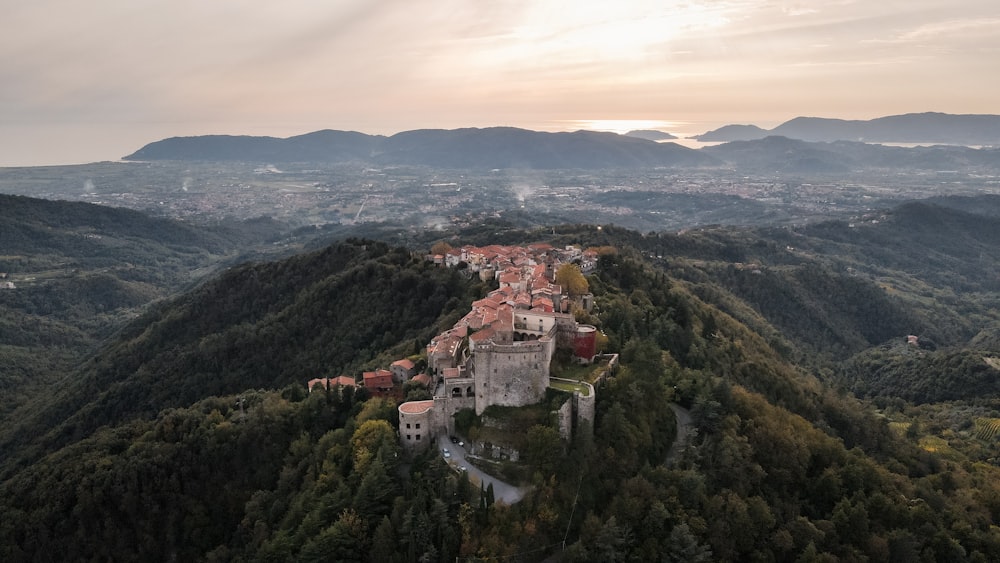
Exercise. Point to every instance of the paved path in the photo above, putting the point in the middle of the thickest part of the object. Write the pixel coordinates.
(684, 429)
(505, 492)
(510, 494)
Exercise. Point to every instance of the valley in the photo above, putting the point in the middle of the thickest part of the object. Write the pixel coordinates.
(831, 342)
(417, 199)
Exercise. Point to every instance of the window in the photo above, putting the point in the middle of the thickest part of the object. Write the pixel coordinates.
(407, 425)
(418, 437)
(408, 437)
(418, 426)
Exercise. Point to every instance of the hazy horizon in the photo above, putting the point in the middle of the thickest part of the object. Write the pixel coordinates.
(96, 81)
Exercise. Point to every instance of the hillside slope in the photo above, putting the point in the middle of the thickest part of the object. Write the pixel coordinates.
(263, 325)
(79, 271)
(190, 437)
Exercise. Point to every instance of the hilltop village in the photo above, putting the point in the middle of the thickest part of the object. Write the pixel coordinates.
(500, 352)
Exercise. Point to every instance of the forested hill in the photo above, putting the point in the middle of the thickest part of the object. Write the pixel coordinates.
(190, 436)
(259, 325)
(78, 271)
(32, 229)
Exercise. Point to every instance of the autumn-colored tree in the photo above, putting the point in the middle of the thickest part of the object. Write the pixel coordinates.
(440, 247)
(604, 250)
(572, 280)
(368, 439)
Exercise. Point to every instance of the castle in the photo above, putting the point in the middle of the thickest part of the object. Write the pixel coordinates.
(500, 352)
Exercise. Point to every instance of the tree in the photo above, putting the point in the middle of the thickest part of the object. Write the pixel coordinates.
(383, 543)
(343, 541)
(543, 448)
(441, 248)
(572, 280)
(375, 493)
(684, 546)
(368, 439)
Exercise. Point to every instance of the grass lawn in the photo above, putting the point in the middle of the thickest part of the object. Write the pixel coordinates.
(570, 387)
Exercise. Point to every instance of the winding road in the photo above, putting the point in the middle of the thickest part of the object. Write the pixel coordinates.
(684, 429)
(509, 494)
(504, 492)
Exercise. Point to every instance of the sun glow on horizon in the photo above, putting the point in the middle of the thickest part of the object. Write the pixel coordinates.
(622, 126)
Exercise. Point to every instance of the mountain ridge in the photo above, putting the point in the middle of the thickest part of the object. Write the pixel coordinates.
(809, 145)
(491, 147)
(926, 127)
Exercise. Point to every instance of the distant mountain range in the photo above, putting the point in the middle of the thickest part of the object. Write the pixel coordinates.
(508, 147)
(939, 128)
(494, 147)
(781, 154)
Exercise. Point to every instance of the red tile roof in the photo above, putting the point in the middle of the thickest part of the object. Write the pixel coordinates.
(482, 335)
(416, 407)
(405, 363)
(381, 379)
(345, 380)
(328, 382)
(319, 380)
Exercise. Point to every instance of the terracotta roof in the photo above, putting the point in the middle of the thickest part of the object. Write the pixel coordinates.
(482, 335)
(378, 379)
(489, 316)
(474, 320)
(416, 407)
(346, 380)
(405, 363)
(328, 382)
(319, 380)
(422, 379)
(449, 373)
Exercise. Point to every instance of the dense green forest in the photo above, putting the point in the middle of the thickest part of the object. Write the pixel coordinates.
(821, 434)
(80, 271)
(258, 325)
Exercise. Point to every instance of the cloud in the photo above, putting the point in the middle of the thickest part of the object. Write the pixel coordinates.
(380, 66)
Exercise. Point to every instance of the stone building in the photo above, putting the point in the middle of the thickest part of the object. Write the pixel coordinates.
(416, 424)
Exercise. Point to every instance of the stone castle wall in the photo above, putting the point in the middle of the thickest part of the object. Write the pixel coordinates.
(447, 406)
(585, 407)
(512, 375)
(566, 420)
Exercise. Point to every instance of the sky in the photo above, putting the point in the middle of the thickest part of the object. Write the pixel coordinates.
(97, 80)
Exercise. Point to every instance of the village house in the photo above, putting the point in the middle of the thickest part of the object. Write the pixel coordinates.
(378, 382)
(402, 370)
(331, 382)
